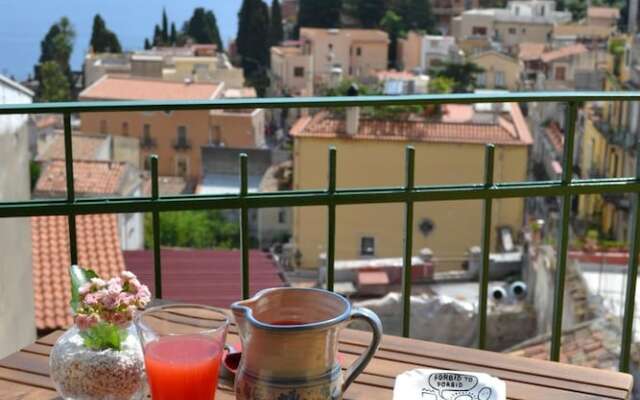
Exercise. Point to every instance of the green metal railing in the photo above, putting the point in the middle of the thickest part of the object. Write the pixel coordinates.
(408, 194)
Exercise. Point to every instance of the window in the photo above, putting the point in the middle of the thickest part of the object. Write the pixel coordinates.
(182, 166)
(500, 79)
(330, 46)
(125, 128)
(147, 163)
(517, 10)
(481, 79)
(479, 31)
(367, 246)
(182, 134)
(215, 137)
(512, 31)
(103, 126)
(524, 30)
(282, 216)
(560, 73)
(358, 51)
(298, 72)
(146, 132)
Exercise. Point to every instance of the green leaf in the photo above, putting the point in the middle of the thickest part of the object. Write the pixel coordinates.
(79, 277)
(104, 336)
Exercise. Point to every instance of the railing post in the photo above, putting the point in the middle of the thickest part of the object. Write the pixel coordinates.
(486, 248)
(331, 224)
(561, 256)
(71, 193)
(408, 240)
(155, 216)
(244, 225)
(632, 277)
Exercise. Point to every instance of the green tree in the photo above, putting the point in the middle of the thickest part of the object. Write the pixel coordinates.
(441, 84)
(195, 229)
(157, 36)
(368, 12)
(202, 27)
(616, 49)
(253, 43)
(462, 74)
(174, 34)
(147, 45)
(415, 14)
(102, 39)
(319, 14)
(393, 25)
(57, 46)
(276, 33)
(165, 27)
(54, 83)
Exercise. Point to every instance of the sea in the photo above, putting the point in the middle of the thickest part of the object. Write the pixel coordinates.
(23, 24)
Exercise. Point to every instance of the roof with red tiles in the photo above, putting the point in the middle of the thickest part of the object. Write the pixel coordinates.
(594, 344)
(555, 136)
(90, 177)
(210, 277)
(563, 52)
(85, 147)
(98, 249)
(530, 51)
(127, 88)
(603, 12)
(509, 129)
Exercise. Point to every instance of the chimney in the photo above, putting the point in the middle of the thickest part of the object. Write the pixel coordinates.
(353, 113)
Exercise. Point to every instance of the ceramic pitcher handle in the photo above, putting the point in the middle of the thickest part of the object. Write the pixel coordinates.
(356, 368)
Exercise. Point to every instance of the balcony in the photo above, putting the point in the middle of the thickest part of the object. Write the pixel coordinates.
(181, 144)
(147, 142)
(406, 196)
(617, 136)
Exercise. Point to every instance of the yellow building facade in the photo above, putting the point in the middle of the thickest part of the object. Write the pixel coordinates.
(365, 231)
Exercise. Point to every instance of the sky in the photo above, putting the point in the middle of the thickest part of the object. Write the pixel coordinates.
(23, 24)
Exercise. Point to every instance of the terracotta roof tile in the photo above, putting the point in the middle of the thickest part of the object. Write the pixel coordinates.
(85, 147)
(593, 344)
(603, 12)
(210, 277)
(126, 88)
(511, 131)
(555, 136)
(90, 177)
(562, 52)
(531, 51)
(98, 249)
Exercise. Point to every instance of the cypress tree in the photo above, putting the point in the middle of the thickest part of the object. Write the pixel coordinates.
(157, 36)
(147, 45)
(202, 27)
(174, 34)
(56, 46)
(276, 34)
(212, 25)
(165, 27)
(253, 43)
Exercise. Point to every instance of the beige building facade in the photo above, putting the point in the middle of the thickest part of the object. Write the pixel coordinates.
(292, 70)
(500, 71)
(338, 53)
(446, 153)
(175, 136)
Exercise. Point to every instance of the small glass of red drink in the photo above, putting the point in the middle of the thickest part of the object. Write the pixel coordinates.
(183, 347)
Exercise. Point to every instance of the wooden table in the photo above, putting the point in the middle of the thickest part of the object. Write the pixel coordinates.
(25, 374)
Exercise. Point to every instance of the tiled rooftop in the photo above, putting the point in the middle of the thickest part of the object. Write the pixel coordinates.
(98, 249)
(353, 34)
(90, 177)
(594, 344)
(555, 136)
(563, 52)
(126, 88)
(509, 129)
(210, 277)
(531, 51)
(85, 147)
(603, 12)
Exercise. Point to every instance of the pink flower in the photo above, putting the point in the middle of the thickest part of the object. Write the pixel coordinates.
(98, 283)
(143, 296)
(84, 289)
(126, 299)
(86, 321)
(121, 318)
(127, 275)
(114, 285)
(110, 301)
(91, 299)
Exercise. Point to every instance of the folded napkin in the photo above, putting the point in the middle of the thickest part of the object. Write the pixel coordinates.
(433, 384)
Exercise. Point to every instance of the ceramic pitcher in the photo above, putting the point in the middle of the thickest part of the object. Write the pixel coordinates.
(290, 344)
